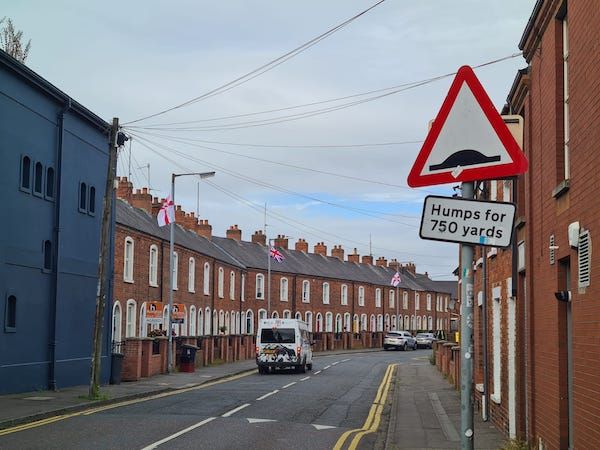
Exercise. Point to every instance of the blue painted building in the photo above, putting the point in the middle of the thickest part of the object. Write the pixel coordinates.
(53, 160)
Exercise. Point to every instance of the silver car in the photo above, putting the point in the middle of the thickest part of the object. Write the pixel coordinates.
(399, 340)
(425, 340)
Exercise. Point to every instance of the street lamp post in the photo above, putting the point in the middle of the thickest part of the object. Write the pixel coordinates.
(202, 176)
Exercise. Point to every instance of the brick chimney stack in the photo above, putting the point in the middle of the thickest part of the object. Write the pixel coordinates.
(234, 233)
(302, 245)
(190, 222)
(395, 265)
(338, 252)
(410, 267)
(381, 262)
(367, 259)
(320, 249)
(354, 257)
(281, 241)
(141, 199)
(179, 215)
(259, 238)
(204, 229)
(124, 189)
(156, 205)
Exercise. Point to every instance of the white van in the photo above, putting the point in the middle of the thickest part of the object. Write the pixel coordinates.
(283, 343)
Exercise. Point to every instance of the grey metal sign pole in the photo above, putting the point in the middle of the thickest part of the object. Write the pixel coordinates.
(171, 261)
(466, 337)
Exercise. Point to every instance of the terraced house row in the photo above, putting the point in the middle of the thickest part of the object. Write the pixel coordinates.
(222, 283)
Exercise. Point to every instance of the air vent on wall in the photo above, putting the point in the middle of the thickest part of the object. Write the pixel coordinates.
(584, 256)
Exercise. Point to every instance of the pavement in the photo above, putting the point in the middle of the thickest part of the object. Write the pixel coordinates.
(422, 409)
(425, 413)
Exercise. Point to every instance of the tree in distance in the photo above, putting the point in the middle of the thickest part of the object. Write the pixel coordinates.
(11, 41)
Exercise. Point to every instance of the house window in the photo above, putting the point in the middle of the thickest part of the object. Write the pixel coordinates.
(192, 321)
(206, 279)
(328, 322)
(243, 288)
(232, 285)
(83, 197)
(47, 256)
(497, 338)
(326, 293)
(175, 269)
(308, 319)
(361, 296)
(249, 322)
(153, 266)
(116, 322)
(260, 286)
(221, 283)
(38, 181)
(392, 299)
(26, 173)
(344, 294)
(92, 201)
(128, 260)
(506, 188)
(405, 300)
(417, 301)
(283, 289)
(378, 298)
(493, 190)
(50, 183)
(287, 314)
(130, 319)
(10, 314)
(565, 56)
(192, 275)
(306, 291)
(207, 321)
(428, 302)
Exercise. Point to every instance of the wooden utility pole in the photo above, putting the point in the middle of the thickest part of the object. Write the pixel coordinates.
(94, 390)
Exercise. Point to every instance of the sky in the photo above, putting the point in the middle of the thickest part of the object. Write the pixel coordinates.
(337, 177)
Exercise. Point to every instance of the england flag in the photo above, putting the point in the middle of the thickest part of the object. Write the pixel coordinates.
(395, 280)
(276, 254)
(166, 214)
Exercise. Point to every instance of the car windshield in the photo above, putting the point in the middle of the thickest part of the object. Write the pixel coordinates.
(278, 336)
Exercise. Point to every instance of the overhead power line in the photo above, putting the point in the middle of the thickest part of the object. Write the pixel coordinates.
(264, 68)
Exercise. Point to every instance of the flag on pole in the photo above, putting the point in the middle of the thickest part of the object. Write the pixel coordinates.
(276, 254)
(166, 214)
(395, 280)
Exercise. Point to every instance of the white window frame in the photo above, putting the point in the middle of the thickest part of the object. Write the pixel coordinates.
(328, 322)
(392, 299)
(130, 322)
(361, 296)
(221, 283)
(283, 289)
(128, 257)
(206, 279)
(326, 293)
(191, 275)
(175, 269)
(417, 301)
(153, 266)
(232, 285)
(260, 284)
(497, 338)
(428, 302)
(378, 298)
(207, 320)
(308, 316)
(566, 121)
(192, 321)
(305, 291)
(243, 288)
(344, 294)
(116, 322)
(404, 300)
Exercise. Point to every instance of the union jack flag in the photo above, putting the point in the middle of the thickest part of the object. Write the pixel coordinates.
(276, 254)
(395, 280)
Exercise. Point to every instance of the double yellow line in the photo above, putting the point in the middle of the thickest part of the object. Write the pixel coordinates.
(87, 412)
(374, 418)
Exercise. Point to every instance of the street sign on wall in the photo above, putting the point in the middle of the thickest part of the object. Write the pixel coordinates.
(467, 221)
(468, 139)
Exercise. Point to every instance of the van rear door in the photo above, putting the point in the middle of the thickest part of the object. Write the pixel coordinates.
(277, 345)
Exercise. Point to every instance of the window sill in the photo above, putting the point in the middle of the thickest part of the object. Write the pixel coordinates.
(155, 285)
(561, 189)
(191, 291)
(496, 398)
(520, 222)
(125, 280)
(283, 300)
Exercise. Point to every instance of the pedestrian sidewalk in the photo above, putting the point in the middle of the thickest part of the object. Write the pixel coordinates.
(27, 407)
(425, 412)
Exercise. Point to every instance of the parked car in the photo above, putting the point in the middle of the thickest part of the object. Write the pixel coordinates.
(399, 340)
(425, 340)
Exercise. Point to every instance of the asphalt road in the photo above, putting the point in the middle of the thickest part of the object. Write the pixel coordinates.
(281, 410)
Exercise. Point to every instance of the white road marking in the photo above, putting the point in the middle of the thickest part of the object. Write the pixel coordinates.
(234, 410)
(179, 433)
(289, 384)
(347, 359)
(334, 363)
(304, 379)
(317, 372)
(251, 420)
(326, 367)
(322, 427)
(262, 397)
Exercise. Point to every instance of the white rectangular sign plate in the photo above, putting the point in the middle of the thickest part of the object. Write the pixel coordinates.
(474, 222)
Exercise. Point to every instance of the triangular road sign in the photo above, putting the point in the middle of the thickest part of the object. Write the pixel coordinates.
(468, 139)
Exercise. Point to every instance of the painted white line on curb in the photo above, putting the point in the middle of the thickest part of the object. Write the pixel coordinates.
(179, 433)
(262, 397)
(317, 372)
(304, 379)
(288, 385)
(234, 410)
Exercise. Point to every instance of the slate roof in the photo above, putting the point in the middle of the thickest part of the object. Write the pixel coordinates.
(247, 255)
(450, 287)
